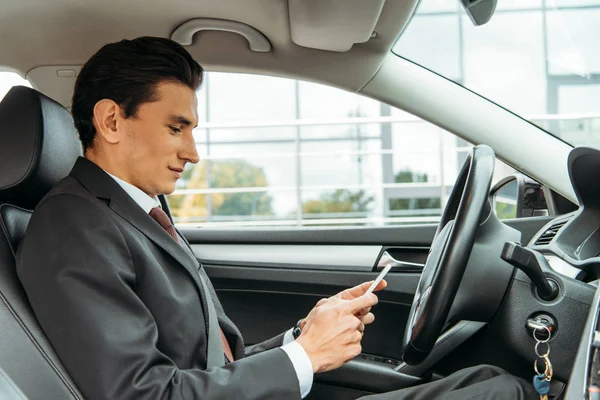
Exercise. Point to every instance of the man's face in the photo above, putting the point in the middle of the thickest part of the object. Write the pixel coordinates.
(157, 143)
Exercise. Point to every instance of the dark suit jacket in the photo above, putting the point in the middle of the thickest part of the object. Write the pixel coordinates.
(123, 306)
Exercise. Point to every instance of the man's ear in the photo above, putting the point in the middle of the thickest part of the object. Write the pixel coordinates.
(107, 118)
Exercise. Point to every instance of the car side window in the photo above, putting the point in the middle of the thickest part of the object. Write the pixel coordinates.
(10, 79)
(281, 152)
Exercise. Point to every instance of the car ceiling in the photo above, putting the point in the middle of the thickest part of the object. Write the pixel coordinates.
(41, 37)
(41, 33)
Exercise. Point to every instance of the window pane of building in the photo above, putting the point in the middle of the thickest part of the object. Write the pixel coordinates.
(10, 79)
(441, 52)
(572, 41)
(337, 206)
(226, 150)
(342, 169)
(340, 104)
(437, 6)
(265, 164)
(202, 103)
(573, 101)
(572, 3)
(504, 61)
(416, 149)
(355, 131)
(243, 172)
(242, 134)
(348, 168)
(518, 4)
(579, 98)
(518, 59)
(266, 208)
(199, 136)
(242, 97)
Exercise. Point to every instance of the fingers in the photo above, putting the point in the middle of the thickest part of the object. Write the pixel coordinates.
(363, 312)
(321, 302)
(367, 319)
(361, 289)
(356, 291)
(361, 328)
(382, 285)
(356, 305)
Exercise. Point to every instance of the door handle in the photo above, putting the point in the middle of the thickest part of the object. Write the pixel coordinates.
(397, 265)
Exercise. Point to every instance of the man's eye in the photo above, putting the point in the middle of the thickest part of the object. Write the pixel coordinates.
(175, 129)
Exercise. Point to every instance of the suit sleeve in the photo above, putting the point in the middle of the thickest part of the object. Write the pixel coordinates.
(269, 344)
(76, 268)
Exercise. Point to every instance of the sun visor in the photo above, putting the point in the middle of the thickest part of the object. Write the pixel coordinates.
(334, 25)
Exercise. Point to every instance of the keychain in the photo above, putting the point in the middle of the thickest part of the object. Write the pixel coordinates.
(541, 381)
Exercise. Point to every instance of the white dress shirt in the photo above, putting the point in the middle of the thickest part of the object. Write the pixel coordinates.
(293, 349)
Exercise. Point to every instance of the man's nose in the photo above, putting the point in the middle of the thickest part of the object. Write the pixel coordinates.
(189, 151)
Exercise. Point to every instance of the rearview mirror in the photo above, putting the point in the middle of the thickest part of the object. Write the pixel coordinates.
(480, 11)
(518, 196)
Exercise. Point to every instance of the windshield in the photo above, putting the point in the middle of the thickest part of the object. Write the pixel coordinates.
(538, 58)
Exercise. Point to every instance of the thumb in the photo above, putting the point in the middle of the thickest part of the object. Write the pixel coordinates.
(364, 301)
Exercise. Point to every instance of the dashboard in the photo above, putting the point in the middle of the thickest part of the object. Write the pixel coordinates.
(571, 245)
(554, 241)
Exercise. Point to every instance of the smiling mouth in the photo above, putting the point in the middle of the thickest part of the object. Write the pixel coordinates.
(177, 171)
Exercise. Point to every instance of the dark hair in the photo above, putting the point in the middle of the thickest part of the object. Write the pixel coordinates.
(128, 73)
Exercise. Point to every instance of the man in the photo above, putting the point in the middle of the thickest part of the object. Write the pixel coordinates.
(117, 290)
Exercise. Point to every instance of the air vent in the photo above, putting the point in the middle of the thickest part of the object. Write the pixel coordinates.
(550, 233)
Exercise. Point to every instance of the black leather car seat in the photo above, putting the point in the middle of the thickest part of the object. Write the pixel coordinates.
(38, 147)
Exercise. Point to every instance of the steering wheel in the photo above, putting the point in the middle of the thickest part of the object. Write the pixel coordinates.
(450, 251)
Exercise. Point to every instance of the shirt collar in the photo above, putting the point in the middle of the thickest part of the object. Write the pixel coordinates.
(140, 197)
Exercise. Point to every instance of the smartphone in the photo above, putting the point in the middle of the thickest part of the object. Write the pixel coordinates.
(379, 278)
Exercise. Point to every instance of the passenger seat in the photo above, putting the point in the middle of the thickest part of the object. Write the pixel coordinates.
(38, 147)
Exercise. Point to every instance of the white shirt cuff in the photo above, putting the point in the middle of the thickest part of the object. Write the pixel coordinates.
(288, 337)
(301, 363)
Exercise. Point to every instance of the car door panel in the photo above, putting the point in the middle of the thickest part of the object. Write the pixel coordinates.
(320, 257)
(268, 279)
(409, 235)
(266, 301)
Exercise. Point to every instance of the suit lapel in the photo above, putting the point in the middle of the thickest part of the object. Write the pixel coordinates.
(227, 324)
(231, 331)
(94, 179)
(122, 205)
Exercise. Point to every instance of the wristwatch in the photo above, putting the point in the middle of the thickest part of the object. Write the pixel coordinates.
(297, 330)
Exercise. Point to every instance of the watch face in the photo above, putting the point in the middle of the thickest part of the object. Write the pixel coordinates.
(296, 333)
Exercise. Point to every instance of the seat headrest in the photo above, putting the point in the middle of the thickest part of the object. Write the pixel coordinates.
(38, 146)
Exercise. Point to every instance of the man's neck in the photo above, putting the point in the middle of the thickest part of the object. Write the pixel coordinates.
(108, 165)
(146, 202)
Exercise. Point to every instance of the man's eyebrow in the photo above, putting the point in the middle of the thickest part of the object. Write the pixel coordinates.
(180, 119)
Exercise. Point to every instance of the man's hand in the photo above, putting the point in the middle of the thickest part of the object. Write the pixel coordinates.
(365, 315)
(332, 332)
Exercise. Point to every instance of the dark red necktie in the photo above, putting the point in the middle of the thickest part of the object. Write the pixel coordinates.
(165, 222)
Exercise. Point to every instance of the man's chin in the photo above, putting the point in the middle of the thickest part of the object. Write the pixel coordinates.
(168, 189)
